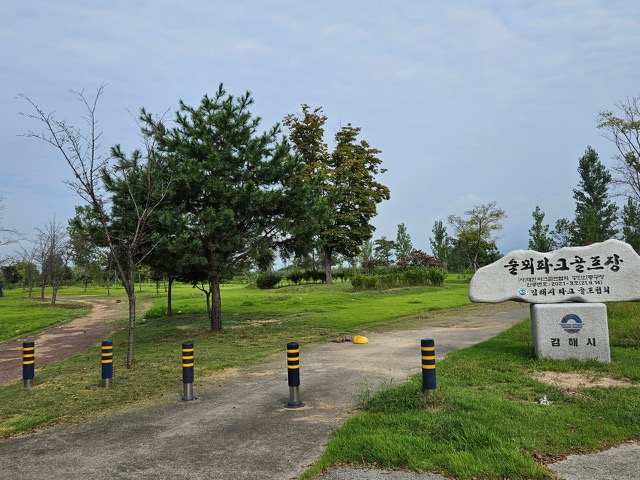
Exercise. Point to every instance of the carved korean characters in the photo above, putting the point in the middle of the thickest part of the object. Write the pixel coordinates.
(602, 272)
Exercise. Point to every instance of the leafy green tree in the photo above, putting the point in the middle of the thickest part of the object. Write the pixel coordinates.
(561, 233)
(383, 250)
(596, 214)
(11, 274)
(242, 191)
(539, 239)
(440, 242)
(631, 224)
(403, 245)
(475, 233)
(347, 178)
(86, 254)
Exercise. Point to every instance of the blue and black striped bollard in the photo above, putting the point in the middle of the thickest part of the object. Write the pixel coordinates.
(28, 363)
(293, 371)
(187, 371)
(107, 363)
(428, 348)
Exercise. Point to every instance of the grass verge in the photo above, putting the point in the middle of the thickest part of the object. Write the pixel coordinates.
(21, 316)
(485, 420)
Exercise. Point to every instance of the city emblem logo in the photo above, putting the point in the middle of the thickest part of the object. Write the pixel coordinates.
(571, 323)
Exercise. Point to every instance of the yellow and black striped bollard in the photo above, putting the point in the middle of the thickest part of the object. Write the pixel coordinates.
(427, 346)
(187, 371)
(107, 363)
(28, 363)
(293, 374)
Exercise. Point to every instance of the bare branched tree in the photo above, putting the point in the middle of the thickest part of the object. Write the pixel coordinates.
(28, 258)
(623, 129)
(122, 191)
(8, 236)
(54, 249)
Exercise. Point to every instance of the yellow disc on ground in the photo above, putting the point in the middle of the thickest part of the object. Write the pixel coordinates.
(360, 339)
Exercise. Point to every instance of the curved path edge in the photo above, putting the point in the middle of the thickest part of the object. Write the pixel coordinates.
(57, 343)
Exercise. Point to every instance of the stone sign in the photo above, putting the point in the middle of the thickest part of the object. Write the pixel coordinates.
(566, 289)
(602, 272)
(571, 330)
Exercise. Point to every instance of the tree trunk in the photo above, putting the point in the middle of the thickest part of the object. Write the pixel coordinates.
(216, 313)
(54, 293)
(327, 265)
(169, 312)
(131, 336)
(130, 288)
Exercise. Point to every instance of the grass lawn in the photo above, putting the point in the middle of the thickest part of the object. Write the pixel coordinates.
(484, 420)
(21, 316)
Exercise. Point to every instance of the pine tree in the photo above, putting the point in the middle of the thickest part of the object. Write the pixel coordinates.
(403, 245)
(539, 239)
(440, 242)
(475, 234)
(561, 233)
(241, 192)
(595, 213)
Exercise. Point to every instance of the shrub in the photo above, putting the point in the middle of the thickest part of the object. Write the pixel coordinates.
(357, 281)
(436, 276)
(267, 280)
(390, 280)
(341, 273)
(413, 277)
(315, 276)
(369, 265)
(295, 277)
(370, 282)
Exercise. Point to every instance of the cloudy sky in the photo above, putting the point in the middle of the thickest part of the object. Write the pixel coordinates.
(470, 101)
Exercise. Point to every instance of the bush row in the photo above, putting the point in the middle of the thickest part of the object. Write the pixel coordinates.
(267, 280)
(415, 277)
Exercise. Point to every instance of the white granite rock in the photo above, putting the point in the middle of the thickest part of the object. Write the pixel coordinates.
(601, 272)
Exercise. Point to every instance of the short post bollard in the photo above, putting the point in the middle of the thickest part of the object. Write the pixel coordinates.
(28, 363)
(107, 363)
(427, 346)
(293, 370)
(187, 371)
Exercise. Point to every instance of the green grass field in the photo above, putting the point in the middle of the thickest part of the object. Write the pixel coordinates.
(21, 316)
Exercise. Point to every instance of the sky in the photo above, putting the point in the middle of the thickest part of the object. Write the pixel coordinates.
(470, 102)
